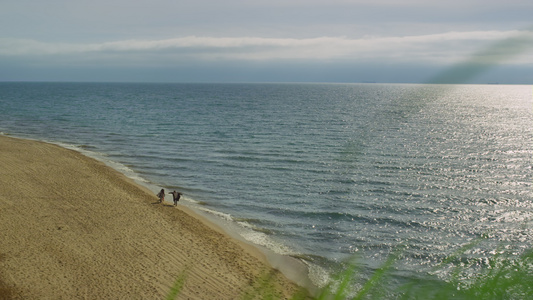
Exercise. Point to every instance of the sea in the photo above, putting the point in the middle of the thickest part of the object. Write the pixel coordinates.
(328, 174)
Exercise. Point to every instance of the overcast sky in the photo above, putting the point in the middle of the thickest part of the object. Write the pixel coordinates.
(266, 40)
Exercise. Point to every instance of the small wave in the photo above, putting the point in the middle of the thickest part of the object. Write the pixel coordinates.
(191, 200)
(254, 228)
(221, 215)
(122, 168)
(250, 233)
(86, 147)
(318, 275)
(262, 239)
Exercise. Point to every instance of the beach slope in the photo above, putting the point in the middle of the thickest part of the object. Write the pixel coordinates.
(73, 228)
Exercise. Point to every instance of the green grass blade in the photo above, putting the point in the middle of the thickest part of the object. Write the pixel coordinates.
(177, 286)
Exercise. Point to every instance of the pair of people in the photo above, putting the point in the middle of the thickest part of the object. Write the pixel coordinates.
(175, 196)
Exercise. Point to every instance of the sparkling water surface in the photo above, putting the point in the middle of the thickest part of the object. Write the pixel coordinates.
(324, 172)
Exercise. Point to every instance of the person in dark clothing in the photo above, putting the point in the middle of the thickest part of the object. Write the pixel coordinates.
(176, 196)
(161, 195)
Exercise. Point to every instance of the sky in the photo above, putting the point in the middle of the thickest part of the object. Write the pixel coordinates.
(409, 41)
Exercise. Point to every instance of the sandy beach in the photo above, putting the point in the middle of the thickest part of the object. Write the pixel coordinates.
(73, 228)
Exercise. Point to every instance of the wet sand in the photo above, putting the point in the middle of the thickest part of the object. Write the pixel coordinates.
(73, 228)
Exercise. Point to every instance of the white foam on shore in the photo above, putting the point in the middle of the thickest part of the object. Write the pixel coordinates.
(246, 232)
(278, 255)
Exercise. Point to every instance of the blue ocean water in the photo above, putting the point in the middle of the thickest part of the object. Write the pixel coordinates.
(322, 172)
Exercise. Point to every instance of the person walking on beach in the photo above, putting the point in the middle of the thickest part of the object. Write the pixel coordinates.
(161, 195)
(176, 197)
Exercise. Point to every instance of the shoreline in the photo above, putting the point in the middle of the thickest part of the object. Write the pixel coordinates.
(64, 235)
(294, 268)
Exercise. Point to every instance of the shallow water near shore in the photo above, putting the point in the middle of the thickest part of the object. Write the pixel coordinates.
(322, 172)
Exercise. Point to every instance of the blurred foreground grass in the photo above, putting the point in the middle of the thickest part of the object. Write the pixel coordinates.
(505, 276)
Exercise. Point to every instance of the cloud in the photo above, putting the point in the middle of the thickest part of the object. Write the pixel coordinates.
(352, 38)
(439, 48)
